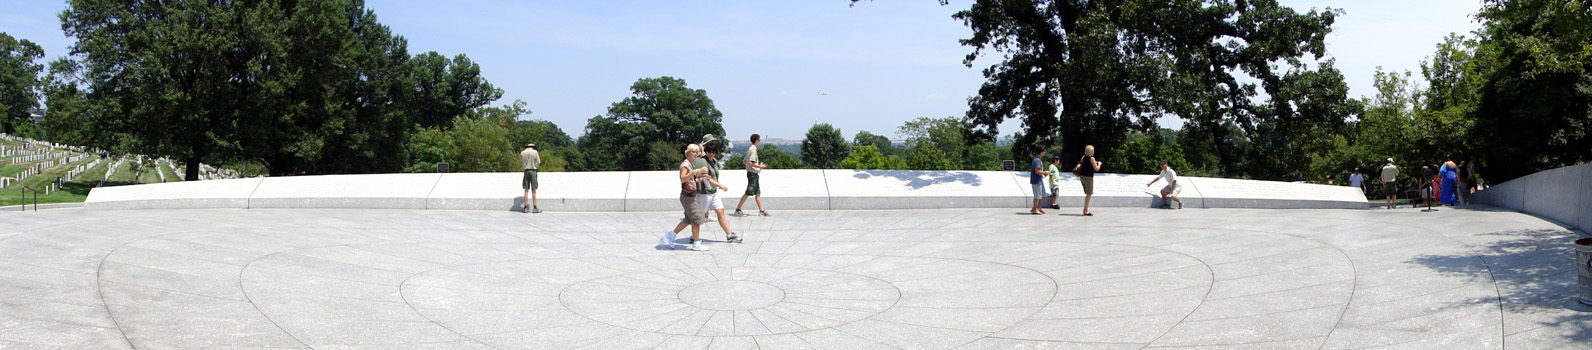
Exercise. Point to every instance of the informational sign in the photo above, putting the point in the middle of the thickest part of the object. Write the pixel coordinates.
(1008, 165)
(442, 167)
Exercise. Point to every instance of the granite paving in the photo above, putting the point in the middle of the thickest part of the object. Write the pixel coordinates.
(1126, 278)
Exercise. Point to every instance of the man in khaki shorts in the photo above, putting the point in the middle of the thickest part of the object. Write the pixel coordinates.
(530, 160)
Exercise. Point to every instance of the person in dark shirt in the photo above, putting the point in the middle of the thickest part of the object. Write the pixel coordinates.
(1087, 166)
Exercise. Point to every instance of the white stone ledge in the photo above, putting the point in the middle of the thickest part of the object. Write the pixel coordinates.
(1563, 195)
(654, 191)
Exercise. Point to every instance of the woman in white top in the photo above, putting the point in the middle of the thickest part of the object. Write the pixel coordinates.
(693, 209)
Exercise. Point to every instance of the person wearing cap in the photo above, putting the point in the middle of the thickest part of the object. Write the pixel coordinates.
(709, 187)
(1390, 184)
(1171, 184)
(530, 161)
(1357, 180)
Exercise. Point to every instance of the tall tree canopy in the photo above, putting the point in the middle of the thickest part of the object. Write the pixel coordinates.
(824, 147)
(1534, 108)
(19, 80)
(1094, 70)
(648, 130)
(448, 88)
(302, 87)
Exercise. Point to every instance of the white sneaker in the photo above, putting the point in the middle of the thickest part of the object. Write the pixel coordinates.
(667, 239)
(697, 246)
(712, 219)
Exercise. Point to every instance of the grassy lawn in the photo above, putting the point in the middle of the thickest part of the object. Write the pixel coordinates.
(75, 190)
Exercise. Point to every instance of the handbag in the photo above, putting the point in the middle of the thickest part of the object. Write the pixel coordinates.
(1076, 169)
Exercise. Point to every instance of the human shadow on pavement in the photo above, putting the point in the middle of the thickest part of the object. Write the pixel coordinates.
(918, 179)
(1535, 271)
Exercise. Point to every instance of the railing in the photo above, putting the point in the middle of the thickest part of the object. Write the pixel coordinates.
(25, 190)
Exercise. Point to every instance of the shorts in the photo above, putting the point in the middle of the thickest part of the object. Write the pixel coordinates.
(529, 181)
(1390, 189)
(693, 211)
(1168, 189)
(1039, 190)
(710, 201)
(1088, 184)
(1055, 191)
(752, 187)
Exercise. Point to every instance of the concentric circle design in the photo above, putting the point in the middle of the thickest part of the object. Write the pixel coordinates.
(732, 295)
(750, 301)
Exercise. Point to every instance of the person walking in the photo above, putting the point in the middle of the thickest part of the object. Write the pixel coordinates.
(1086, 168)
(693, 209)
(708, 189)
(754, 170)
(1035, 173)
(1171, 186)
(1390, 185)
(530, 161)
(1055, 179)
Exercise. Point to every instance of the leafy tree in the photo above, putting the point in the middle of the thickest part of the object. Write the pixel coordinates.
(648, 130)
(867, 156)
(310, 86)
(824, 147)
(19, 80)
(67, 109)
(1534, 110)
(447, 89)
(777, 159)
(924, 156)
(428, 147)
(1143, 154)
(1093, 70)
(880, 143)
(482, 146)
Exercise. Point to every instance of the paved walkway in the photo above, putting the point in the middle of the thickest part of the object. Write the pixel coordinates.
(983, 279)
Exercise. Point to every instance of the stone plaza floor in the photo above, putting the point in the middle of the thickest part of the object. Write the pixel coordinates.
(1127, 278)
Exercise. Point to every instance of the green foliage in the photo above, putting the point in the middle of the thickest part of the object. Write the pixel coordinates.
(947, 144)
(867, 156)
(926, 157)
(777, 159)
(447, 89)
(1534, 110)
(824, 147)
(314, 86)
(1143, 154)
(1094, 70)
(19, 80)
(880, 143)
(650, 129)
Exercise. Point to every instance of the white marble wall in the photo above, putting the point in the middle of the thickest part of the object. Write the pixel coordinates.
(1563, 195)
(648, 191)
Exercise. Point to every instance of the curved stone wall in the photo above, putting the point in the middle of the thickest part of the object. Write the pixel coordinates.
(801, 189)
(1563, 195)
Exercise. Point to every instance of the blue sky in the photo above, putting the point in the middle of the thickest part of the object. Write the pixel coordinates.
(764, 63)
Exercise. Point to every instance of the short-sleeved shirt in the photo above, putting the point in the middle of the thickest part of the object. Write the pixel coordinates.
(1055, 175)
(751, 156)
(1169, 175)
(1390, 173)
(1356, 179)
(1033, 171)
(703, 186)
(530, 159)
